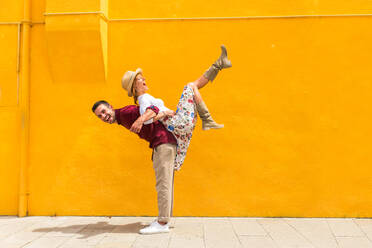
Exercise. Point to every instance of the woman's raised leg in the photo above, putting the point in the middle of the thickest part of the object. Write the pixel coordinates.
(210, 74)
(197, 96)
(201, 82)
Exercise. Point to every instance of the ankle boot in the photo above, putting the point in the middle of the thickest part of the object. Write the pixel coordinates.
(206, 117)
(221, 63)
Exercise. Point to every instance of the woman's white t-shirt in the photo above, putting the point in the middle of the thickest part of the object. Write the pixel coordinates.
(146, 100)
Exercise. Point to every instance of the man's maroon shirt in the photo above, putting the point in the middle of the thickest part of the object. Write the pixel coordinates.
(155, 133)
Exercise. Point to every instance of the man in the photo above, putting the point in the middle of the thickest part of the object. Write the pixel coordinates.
(163, 144)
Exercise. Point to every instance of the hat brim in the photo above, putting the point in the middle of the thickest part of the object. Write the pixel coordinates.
(138, 71)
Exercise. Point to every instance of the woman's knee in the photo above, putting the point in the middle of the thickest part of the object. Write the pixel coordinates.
(191, 85)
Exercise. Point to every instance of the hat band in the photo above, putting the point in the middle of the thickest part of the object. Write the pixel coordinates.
(130, 80)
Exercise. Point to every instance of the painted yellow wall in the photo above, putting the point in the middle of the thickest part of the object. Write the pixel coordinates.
(9, 169)
(295, 106)
(9, 111)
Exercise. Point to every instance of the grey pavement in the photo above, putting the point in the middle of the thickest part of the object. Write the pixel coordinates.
(188, 232)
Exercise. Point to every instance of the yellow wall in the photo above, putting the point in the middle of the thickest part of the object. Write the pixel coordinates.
(9, 111)
(295, 106)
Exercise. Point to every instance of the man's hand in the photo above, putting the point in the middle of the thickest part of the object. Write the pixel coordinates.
(136, 126)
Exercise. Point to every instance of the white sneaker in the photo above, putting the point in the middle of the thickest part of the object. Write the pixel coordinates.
(155, 227)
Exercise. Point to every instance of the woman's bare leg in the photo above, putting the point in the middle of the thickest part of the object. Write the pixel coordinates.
(197, 96)
(201, 82)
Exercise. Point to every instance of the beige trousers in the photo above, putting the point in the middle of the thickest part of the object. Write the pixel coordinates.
(163, 163)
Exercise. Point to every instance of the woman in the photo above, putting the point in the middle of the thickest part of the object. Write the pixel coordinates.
(182, 122)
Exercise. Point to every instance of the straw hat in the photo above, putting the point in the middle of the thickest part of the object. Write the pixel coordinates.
(128, 79)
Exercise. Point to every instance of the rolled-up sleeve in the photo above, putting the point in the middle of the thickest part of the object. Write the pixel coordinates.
(153, 108)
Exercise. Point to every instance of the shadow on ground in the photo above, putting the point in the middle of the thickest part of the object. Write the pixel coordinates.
(89, 230)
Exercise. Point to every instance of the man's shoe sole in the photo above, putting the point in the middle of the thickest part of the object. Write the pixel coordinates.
(154, 232)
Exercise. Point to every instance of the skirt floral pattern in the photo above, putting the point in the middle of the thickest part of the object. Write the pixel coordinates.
(182, 124)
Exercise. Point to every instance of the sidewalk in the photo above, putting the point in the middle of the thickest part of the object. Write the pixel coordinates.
(122, 232)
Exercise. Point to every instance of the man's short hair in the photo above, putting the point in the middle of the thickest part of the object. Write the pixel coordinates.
(99, 103)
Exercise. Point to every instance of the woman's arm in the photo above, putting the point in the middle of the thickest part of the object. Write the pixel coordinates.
(137, 125)
(162, 114)
(147, 101)
(149, 114)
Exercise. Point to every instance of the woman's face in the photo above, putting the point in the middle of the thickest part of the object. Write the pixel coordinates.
(140, 84)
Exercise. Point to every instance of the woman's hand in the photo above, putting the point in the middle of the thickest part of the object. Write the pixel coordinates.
(162, 114)
(170, 113)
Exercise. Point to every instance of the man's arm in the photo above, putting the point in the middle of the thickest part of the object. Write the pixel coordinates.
(137, 125)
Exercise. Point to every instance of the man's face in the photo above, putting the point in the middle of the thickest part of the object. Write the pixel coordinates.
(105, 113)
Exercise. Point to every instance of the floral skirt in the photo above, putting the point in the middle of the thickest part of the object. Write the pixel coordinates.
(182, 124)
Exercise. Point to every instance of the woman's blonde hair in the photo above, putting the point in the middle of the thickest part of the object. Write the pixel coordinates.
(134, 92)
